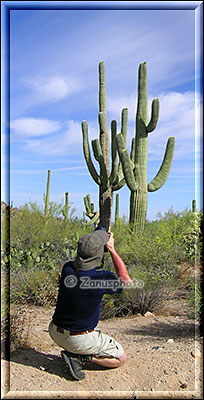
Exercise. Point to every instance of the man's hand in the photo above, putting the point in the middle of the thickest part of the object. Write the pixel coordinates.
(110, 243)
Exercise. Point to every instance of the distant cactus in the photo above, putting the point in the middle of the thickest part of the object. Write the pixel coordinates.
(90, 213)
(108, 182)
(135, 165)
(66, 207)
(47, 194)
(194, 206)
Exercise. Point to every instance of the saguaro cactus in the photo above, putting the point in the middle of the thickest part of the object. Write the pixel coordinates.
(108, 182)
(47, 195)
(90, 213)
(193, 206)
(66, 207)
(135, 165)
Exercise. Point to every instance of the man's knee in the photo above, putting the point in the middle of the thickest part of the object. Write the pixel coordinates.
(123, 358)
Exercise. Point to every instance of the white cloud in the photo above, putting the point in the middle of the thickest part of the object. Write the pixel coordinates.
(32, 127)
(61, 144)
(53, 88)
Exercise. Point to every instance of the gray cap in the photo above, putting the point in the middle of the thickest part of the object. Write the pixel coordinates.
(90, 250)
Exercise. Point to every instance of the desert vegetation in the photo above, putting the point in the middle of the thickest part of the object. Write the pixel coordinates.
(38, 246)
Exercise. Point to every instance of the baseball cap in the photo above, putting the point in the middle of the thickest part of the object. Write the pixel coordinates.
(90, 250)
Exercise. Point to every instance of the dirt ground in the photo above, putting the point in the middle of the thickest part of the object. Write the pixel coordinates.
(164, 359)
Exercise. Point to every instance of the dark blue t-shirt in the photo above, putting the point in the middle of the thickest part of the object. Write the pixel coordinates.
(79, 297)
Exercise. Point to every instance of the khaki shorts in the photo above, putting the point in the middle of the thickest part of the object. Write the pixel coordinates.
(94, 343)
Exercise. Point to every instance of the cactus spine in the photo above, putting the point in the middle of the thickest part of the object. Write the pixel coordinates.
(66, 206)
(90, 213)
(135, 165)
(108, 182)
(47, 194)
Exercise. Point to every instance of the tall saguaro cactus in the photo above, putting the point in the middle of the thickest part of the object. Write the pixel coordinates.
(135, 165)
(107, 181)
(47, 195)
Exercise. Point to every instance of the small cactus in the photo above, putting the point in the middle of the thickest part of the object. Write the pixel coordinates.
(46, 209)
(194, 206)
(90, 213)
(66, 207)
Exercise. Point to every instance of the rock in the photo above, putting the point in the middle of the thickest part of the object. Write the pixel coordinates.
(196, 353)
(183, 386)
(157, 348)
(165, 372)
(148, 314)
(170, 341)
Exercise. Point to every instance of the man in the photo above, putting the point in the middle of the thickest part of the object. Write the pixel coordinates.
(76, 316)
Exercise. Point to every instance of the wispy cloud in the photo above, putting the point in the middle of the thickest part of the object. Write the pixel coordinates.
(63, 143)
(67, 141)
(40, 171)
(53, 88)
(33, 127)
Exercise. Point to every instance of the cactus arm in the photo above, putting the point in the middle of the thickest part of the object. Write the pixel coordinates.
(132, 152)
(154, 116)
(124, 121)
(119, 185)
(126, 163)
(94, 218)
(119, 182)
(92, 207)
(99, 157)
(163, 172)
(87, 203)
(87, 155)
(114, 168)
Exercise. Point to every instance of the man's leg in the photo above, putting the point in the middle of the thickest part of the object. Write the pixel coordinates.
(110, 362)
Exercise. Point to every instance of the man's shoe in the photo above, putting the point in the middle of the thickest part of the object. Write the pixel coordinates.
(75, 362)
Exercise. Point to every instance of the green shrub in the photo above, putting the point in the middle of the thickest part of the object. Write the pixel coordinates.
(38, 248)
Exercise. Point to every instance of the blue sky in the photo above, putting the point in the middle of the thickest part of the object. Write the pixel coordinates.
(54, 57)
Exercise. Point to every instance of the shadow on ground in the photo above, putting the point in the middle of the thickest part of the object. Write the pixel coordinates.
(50, 363)
(160, 329)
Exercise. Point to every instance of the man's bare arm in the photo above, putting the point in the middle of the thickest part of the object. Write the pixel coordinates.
(119, 265)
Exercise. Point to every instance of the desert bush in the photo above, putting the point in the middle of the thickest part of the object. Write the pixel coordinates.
(153, 289)
(134, 301)
(195, 297)
(38, 248)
